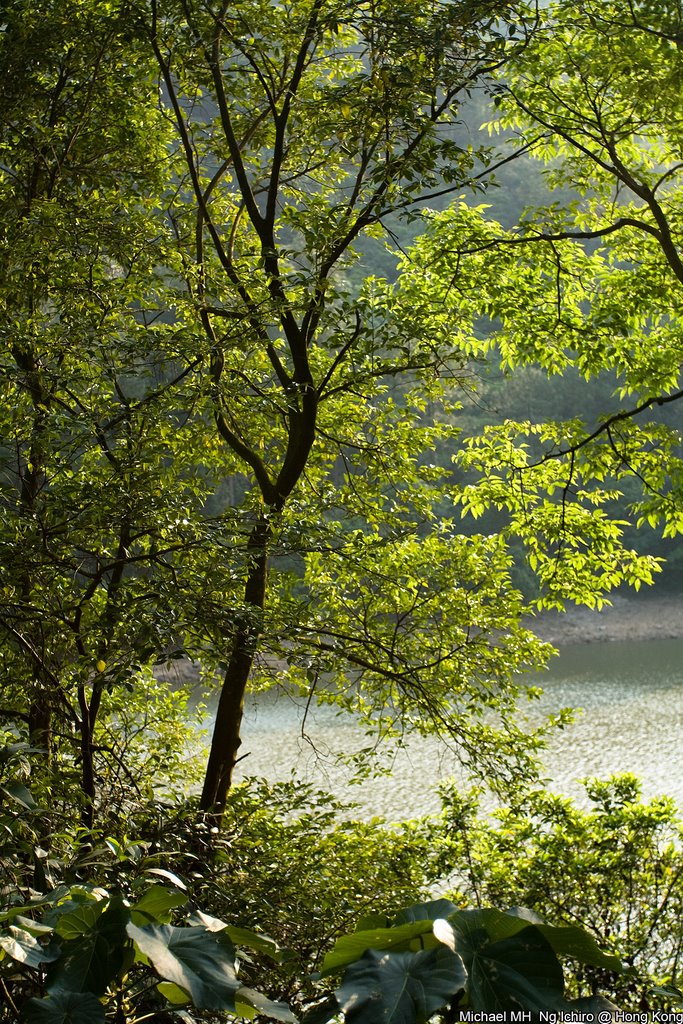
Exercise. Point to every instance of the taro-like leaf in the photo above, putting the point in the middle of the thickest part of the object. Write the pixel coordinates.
(370, 921)
(576, 943)
(198, 961)
(425, 911)
(80, 920)
(250, 998)
(256, 941)
(65, 1008)
(243, 937)
(483, 926)
(175, 995)
(404, 937)
(212, 924)
(34, 927)
(91, 961)
(570, 940)
(156, 905)
(530, 916)
(400, 988)
(519, 972)
(26, 949)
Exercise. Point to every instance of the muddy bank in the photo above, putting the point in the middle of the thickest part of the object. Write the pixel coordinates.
(646, 617)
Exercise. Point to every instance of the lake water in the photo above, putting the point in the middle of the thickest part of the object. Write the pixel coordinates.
(631, 693)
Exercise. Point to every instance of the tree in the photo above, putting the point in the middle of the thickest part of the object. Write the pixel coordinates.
(191, 324)
(299, 127)
(165, 339)
(593, 284)
(92, 514)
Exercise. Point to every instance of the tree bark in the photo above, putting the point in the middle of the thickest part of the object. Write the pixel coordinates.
(226, 739)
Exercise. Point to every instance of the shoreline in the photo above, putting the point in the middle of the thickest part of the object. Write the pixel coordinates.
(642, 617)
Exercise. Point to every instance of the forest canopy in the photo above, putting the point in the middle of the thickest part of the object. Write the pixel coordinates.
(219, 443)
(277, 281)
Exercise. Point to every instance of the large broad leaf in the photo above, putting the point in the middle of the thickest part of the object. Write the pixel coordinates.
(241, 936)
(249, 999)
(90, 962)
(65, 1008)
(74, 923)
(517, 973)
(569, 940)
(24, 947)
(484, 925)
(425, 911)
(579, 945)
(400, 988)
(175, 995)
(256, 941)
(370, 921)
(156, 905)
(31, 926)
(404, 937)
(198, 961)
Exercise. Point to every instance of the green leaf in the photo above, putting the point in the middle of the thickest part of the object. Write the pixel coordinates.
(34, 927)
(92, 961)
(261, 1004)
(65, 1008)
(400, 988)
(471, 925)
(199, 961)
(76, 922)
(16, 791)
(26, 949)
(156, 905)
(576, 943)
(429, 911)
(255, 940)
(176, 995)
(169, 876)
(350, 948)
(520, 972)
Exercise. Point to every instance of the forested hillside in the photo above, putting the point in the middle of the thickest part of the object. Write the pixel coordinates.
(309, 381)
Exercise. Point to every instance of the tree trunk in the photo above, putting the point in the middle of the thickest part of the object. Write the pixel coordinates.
(226, 740)
(40, 719)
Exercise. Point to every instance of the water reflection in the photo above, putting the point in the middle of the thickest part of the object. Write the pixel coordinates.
(631, 693)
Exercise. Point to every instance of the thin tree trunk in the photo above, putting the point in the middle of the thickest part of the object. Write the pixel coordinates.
(226, 739)
(32, 476)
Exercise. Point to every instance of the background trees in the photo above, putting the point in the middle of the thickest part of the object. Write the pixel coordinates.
(180, 329)
(83, 416)
(590, 284)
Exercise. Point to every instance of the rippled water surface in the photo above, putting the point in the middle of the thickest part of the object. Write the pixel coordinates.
(631, 693)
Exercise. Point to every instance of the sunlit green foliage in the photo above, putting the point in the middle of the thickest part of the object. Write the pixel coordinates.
(593, 284)
(217, 443)
(616, 867)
